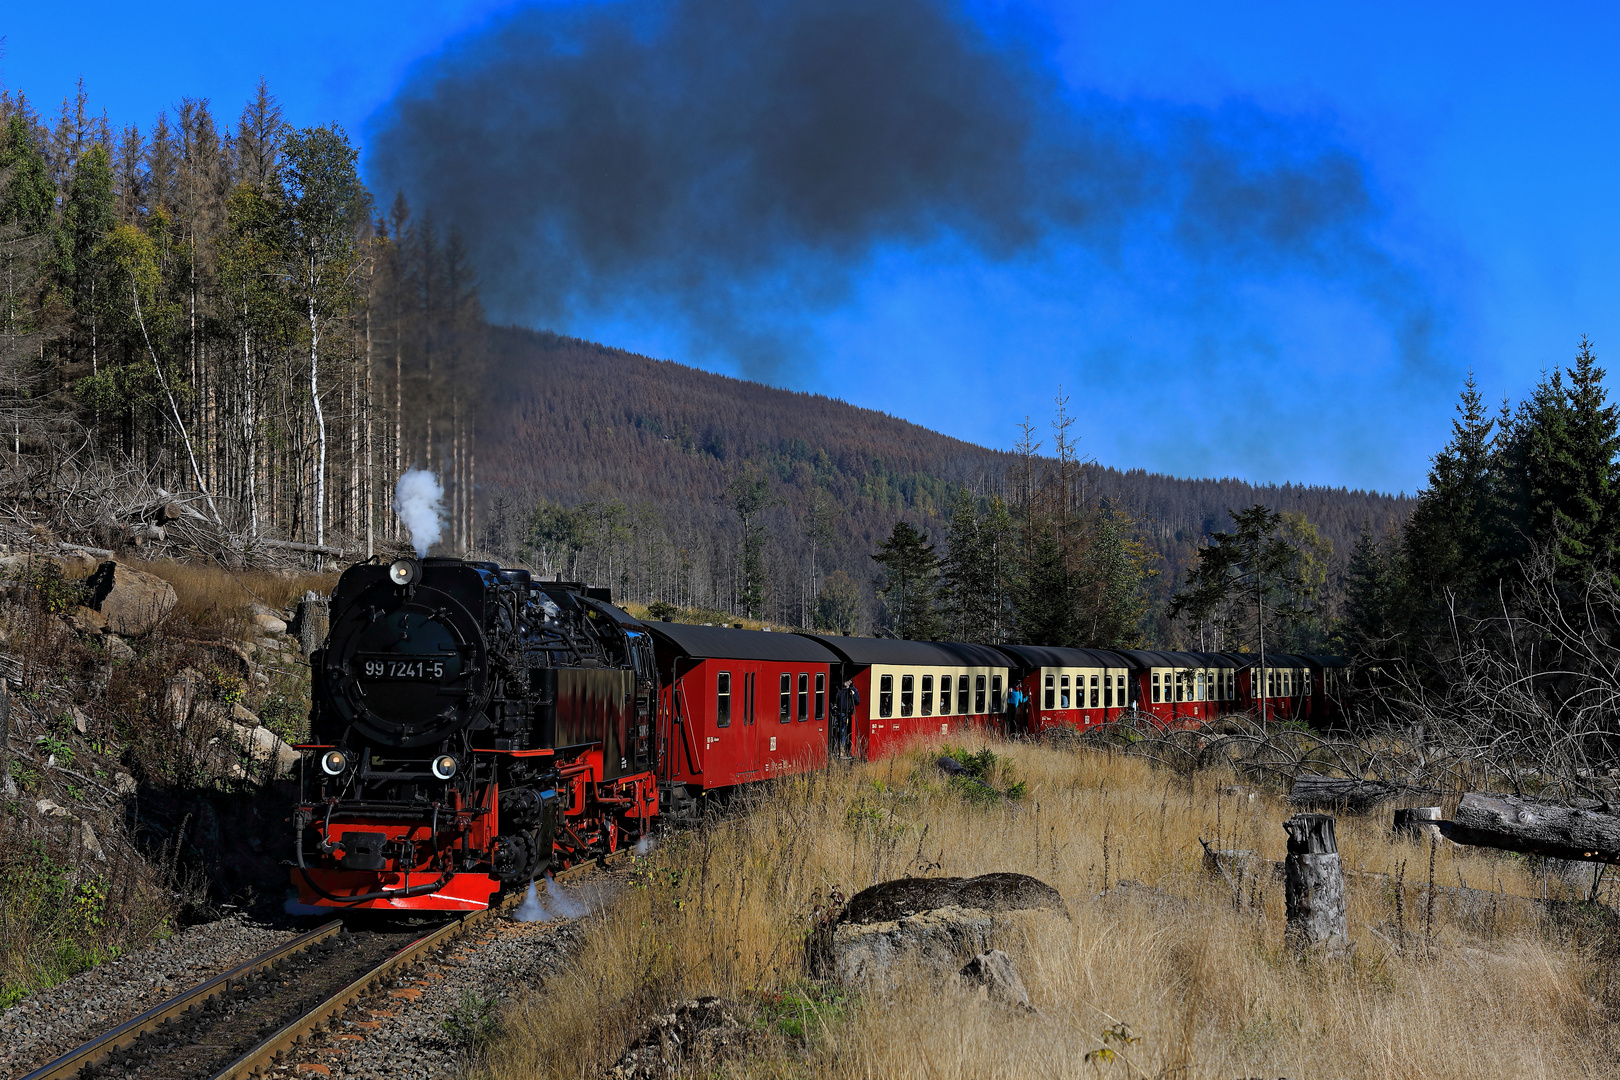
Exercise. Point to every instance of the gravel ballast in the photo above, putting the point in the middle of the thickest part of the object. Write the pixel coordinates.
(46, 1025)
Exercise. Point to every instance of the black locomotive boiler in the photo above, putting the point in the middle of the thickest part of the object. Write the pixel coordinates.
(469, 726)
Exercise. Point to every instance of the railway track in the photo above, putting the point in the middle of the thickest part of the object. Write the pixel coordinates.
(238, 1024)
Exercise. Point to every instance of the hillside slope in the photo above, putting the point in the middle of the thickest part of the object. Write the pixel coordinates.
(569, 421)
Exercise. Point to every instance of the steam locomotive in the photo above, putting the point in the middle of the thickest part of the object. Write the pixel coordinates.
(472, 727)
(469, 727)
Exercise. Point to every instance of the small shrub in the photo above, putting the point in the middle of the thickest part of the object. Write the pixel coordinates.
(472, 1022)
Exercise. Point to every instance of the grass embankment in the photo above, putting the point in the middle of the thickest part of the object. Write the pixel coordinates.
(1196, 976)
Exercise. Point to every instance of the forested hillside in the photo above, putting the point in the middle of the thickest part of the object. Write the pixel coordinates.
(652, 449)
(220, 315)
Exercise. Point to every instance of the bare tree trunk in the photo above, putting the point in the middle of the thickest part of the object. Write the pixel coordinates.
(320, 419)
(371, 547)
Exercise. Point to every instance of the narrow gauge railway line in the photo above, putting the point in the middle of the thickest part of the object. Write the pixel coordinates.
(236, 1025)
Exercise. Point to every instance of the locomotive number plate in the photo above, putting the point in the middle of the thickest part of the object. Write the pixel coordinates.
(423, 669)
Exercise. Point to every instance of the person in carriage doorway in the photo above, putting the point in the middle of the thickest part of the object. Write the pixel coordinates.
(1017, 711)
(844, 706)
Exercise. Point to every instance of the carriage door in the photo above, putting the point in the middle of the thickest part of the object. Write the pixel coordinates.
(748, 760)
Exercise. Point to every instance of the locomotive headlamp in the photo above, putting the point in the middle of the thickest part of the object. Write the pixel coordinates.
(404, 571)
(444, 766)
(333, 762)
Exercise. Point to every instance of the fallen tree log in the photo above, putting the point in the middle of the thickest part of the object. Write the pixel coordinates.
(1554, 830)
(288, 545)
(1349, 794)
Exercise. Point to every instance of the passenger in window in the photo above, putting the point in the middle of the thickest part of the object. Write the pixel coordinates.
(1063, 696)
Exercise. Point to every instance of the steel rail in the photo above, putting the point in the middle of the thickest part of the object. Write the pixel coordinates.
(97, 1049)
(264, 1055)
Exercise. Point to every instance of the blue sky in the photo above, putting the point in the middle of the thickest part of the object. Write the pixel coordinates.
(1484, 138)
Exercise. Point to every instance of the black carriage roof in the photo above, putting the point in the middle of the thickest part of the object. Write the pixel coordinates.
(1035, 656)
(864, 652)
(1152, 658)
(705, 642)
(1277, 659)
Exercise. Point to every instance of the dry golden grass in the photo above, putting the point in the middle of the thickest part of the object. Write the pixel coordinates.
(1197, 974)
(215, 598)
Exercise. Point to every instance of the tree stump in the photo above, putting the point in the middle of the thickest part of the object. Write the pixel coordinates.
(1314, 886)
(312, 618)
(1417, 822)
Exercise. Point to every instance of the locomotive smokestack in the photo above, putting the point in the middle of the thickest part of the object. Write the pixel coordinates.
(418, 500)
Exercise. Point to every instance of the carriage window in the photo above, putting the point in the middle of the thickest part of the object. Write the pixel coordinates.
(804, 696)
(928, 695)
(1051, 694)
(1155, 686)
(1119, 690)
(785, 712)
(821, 696)
(1310, 683)
(1094, 698)
(962, 695)
(995, 693)
(1181, 677)
(1108, 691)
(944, 695)
(886, 696)
(1200, 688)
(722, 699)
(978, 693)
(907, 694)
(1064, 697)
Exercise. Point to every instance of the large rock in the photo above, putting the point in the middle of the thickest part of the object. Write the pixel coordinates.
(892, 900)
(935, 923)
(133, 602)
(936, 939)
(994, 974)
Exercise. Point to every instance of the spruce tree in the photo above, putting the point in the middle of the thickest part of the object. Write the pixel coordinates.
(1447, 535)
(911, 584)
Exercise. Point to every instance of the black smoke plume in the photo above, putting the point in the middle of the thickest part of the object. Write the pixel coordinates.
(731, 164)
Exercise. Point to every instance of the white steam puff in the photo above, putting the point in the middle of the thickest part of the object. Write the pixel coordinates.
(418, 500)
(562, 903)
(531, 910)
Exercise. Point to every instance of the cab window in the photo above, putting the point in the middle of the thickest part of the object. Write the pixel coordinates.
(722, 699)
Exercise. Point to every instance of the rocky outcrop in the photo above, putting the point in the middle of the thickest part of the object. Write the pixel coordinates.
(696, 1035)
(936, 925)
(133, 602)
(994, 975)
